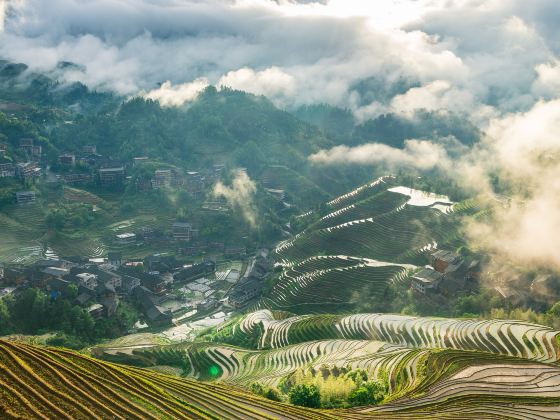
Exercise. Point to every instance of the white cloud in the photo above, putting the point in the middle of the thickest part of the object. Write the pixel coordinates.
(272, 82)
(419, 154)
(301, 52)
(526, 144)
(438, 95)
(169, 95)
(548, 82)
(2, 14)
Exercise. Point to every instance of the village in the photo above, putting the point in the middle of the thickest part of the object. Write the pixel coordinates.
(170, 272)
(192, 279)
(28, 163)
(447, 274)
(166, 292)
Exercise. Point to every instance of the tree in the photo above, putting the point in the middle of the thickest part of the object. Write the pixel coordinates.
(55, 218)
(305, 396)
(369, 393)
(272, 394)
(72, 291)
(29, 311)
(555, 309)
(4, 318)
(84, 324)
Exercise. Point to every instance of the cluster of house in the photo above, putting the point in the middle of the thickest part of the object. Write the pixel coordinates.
(29, 166)
(522, 288)
(86, 166)
(99, 289)
(33, 160)
(159, 273)
(102, 284)
(448, 274)
(193, 182)
(26, 167)
(251, 286)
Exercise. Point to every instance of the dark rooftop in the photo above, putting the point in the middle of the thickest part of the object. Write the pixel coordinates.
(447, 256)
(428, 276)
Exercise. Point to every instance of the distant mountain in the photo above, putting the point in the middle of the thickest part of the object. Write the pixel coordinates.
(21, 85)
(392, 129)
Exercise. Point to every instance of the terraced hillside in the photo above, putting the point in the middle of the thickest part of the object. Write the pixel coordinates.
(403, 368)
(38, 382)
(27, 237)
(301, 287)
(372, 236)
(19, 241)
(500, 337)
(54, 383)
(422, 382)
(398, 235)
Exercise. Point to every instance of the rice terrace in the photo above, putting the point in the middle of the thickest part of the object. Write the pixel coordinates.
(280, 209)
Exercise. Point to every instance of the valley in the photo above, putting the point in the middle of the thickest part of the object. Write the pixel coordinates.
(265, 209)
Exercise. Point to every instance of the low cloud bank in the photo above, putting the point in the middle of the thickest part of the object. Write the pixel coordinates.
(524, 151)
(419, 154)
(240, 196)
(169, 95)
(461, 56)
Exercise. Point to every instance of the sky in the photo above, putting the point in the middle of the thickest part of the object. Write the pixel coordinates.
(493, 62)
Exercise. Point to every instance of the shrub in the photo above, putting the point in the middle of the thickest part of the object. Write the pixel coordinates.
(369, 393)
(358, 376)
(286, 383)
(257, 388)
(272, 394)
(305, 396)
(64, 340)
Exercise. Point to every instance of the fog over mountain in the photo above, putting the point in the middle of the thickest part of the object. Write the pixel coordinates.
(303, 209)
(495, 63)
(478, 57)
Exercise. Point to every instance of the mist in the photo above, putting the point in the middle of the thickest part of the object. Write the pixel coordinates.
(240, 196)
(524, 151)
(495, 63)
(418, 154)
(481, 61)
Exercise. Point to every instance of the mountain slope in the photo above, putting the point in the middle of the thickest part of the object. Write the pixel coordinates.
(54, 383)
(362, 243)
(38, 382)
(432, 367)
